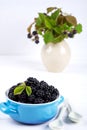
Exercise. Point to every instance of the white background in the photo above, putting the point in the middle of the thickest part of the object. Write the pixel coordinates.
(20, 58)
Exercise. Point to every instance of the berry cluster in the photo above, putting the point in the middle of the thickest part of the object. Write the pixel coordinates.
(34, 36)
(41, 92)
(70, 34)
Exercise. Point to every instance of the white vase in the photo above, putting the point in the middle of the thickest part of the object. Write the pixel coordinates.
(55, 57)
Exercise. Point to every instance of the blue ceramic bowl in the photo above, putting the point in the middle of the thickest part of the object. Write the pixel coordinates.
(31, 113)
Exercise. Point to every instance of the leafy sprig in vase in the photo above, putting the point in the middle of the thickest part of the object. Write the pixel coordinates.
(54, 26)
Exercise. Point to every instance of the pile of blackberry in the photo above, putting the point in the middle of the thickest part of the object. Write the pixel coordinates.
(41, 92)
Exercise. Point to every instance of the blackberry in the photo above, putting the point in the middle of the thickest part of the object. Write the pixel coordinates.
(56, 92)
(43, 85)
(36, 41)
(33, 81)
(12, 96)
(74, 31)
(12, 89)
(40, 93)
(31, 98)
(22, 97)
(27, 83)
(47, 95)
(51, 88)
(18, 84)
(29, 35)
(38, 100)
(34, 89)
(53, 97)
(64, 32)
(34, 32)
(70, 35)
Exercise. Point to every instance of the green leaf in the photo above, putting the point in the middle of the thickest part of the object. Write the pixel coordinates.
(71, 20)
(48, 36)
(53, 22)
(41, 17)
(28, 90)
(38, 22)
(57, 30)
(47, 23)
(58, 39)
(79, 28)
(55, 14)
(19, 89)
(50, 9)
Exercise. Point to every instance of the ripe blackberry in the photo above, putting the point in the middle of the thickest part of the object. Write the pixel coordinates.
(74, 31)
(29, 35)
(43, 85)
(34, 32)
(56, 92)
(22, 97)
(12, 89)
(47, 95)
(12, 96)
(40, 93)
(70, 35)
(31, 98)
(36, 41)
(32, 81)
(51, 88)
(34, 89)
(38, 100)
(53, 97)
(27, 83)
(65, 32)
(18, 84)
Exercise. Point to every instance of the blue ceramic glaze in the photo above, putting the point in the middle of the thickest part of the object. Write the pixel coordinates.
(31, 113)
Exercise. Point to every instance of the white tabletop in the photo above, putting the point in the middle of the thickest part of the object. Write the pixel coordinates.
(72, 84)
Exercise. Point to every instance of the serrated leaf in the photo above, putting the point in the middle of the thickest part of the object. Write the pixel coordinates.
(48, 37)
(47, 23)
(79, 28)
(57, 30)
(58, 39)
(41, 17)
(60, 20)
(50, 9)
(55, 14)
(38, 22)
(18, 90)
(28, 90)
(71, 20)
(53, 22)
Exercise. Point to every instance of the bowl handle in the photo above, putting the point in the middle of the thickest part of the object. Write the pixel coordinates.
(4, 107)
(60, 100)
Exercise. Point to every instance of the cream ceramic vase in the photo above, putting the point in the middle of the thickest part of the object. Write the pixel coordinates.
(56, 57)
